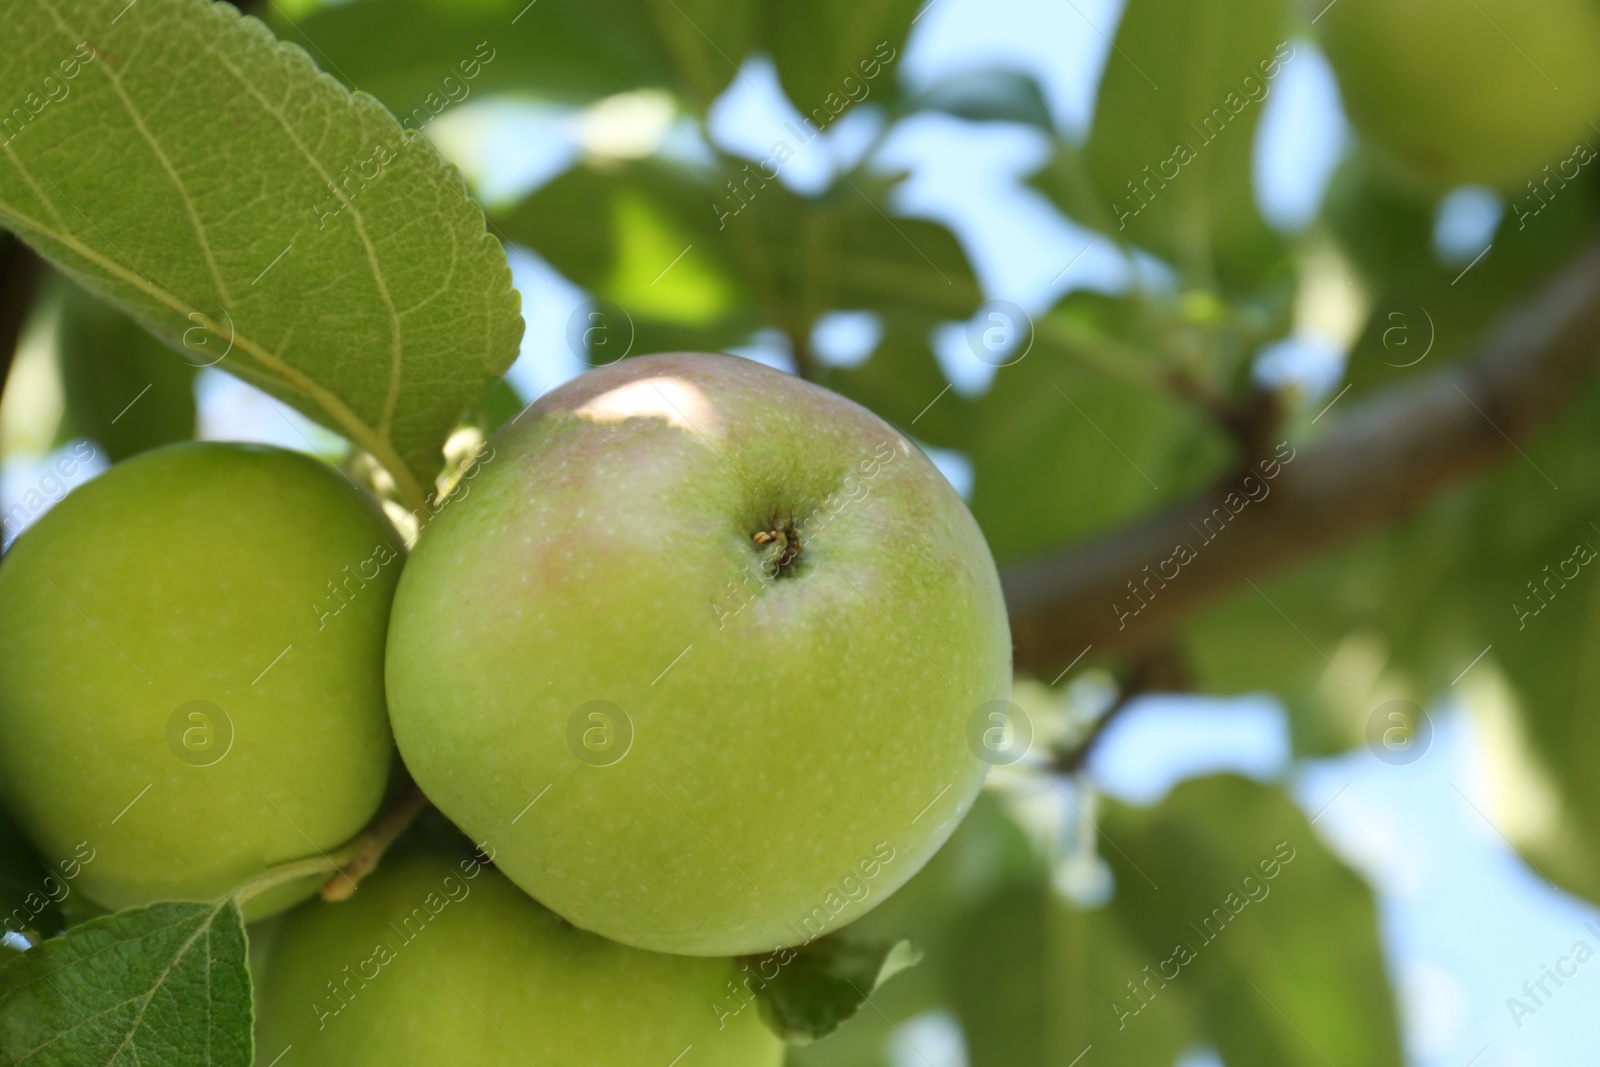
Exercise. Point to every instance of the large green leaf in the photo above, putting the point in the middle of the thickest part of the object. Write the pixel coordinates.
(1234, 901)
(1167, 163)
(261, 217)
(162, 986)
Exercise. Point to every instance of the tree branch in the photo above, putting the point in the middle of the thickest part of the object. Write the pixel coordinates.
(1384, 458)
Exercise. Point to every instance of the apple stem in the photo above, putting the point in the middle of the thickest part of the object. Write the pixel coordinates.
(368, 847)
(348, 864)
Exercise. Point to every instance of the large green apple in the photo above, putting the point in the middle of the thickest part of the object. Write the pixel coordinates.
(439, 960)
(192, 648)
(1457, 91)
(697, 653)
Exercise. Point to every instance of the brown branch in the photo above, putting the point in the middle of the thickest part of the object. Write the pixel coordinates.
(804, 363)
(1383, 458)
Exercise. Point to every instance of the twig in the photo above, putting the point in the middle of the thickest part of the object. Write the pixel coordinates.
(350, 863)
(1160, 668)
(363, 854)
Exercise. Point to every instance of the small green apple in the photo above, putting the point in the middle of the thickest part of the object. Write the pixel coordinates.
(439, 960)
(697, 655)
(192, 651)
(1487, 91)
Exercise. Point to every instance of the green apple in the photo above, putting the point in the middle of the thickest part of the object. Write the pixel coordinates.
(439, 960)
(192, 648)
(697, 653)
(1457, 91)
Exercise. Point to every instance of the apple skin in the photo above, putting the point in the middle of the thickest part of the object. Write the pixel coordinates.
(431, 941)
(798, 744)
(1442, 91)
(181, 575)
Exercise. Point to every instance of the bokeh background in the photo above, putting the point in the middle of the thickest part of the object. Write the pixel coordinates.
(947, 250)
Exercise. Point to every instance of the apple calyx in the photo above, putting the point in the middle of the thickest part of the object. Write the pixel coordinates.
(786, 548)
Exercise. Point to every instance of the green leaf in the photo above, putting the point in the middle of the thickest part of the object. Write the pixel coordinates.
(1107, 445)
(1034, 980)
(403, 51)
(828, 56)
(425, 54)
(1233, 900)
(124, 388)
(1169, 150)
(1507, 580)
(903, 383)
(161, 986)
(833, 52)
(847, 250)
(1312, 636)
(596, 225)
(262, 218)
(701, 259)
(826, 982)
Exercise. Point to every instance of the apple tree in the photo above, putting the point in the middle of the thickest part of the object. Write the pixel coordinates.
(691, 712)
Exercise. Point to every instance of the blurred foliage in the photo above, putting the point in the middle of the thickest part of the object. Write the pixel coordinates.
(1427, 311)
(124, 389)
(1231, 926)
(582, 51)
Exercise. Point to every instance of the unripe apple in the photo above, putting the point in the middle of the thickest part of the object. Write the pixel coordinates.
(1458, 91)
(697, 655)
(192, 648)
(439, 960)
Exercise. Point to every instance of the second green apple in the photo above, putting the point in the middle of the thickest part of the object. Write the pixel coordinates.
(695, 656)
